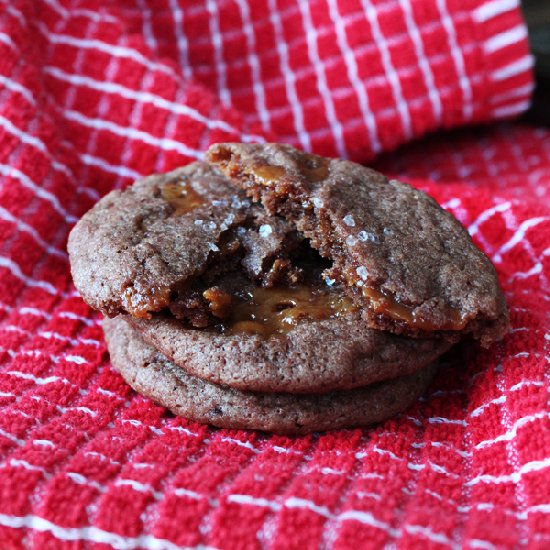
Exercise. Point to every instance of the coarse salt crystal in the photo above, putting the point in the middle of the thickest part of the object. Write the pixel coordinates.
(365, 236)
(227, 222)
(317, 202)
(351, 240)
(213, 247)
(265, 230)
(198, 222)
(349, 221)
(362, 272)
(329, 281)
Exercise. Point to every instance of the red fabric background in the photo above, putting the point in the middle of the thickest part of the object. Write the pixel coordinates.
(92, 96)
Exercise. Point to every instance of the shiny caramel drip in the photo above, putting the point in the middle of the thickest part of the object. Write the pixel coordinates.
(268, 174)
(268, 311)
(181, 196)
(311, 167)
(314, 168)
(384, 304)
(140, 304)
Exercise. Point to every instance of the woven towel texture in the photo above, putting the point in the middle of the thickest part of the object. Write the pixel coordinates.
(96, 94)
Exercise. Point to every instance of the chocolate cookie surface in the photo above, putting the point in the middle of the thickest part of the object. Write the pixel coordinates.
(316, 356)
(410, 265)
(151, 374)
(135, 247)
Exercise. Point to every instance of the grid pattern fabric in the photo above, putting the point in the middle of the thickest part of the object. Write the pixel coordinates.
(94, 95)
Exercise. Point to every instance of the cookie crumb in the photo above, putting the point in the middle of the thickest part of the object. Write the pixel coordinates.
(219, 302)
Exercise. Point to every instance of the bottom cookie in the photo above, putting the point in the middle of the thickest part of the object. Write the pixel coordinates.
(153, 375)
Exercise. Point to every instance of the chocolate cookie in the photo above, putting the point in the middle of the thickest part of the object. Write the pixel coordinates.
(151, 374)
(316, 356)
(409, 265)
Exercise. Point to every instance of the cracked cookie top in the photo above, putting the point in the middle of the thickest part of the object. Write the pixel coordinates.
(409, 265)
(137, 250)
(187, 243)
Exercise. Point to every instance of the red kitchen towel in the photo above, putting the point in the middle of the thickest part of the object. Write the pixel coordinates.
(94, 95)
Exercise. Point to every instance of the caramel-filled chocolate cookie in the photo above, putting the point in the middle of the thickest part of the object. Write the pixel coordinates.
(153, 375)
(281, 291)
(407, 264)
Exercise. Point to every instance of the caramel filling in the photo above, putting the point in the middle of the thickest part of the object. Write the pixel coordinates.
(314, 168)
(181, 196)
(311, 167)
(387, 305)
(140, 305)
(267, 311)
(268, 174)
(219, 302)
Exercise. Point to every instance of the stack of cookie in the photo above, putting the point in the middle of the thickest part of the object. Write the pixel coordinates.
(277, 290)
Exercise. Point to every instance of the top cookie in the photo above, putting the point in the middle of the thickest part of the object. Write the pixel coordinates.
(408, 264)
